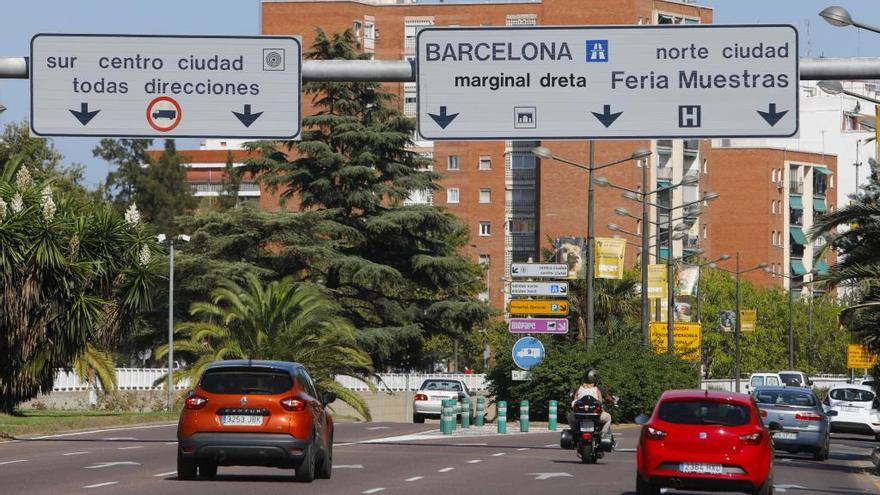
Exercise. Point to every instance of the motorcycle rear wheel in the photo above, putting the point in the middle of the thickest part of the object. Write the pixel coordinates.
(588, 456)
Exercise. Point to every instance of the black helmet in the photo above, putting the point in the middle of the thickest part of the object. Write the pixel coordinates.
(591, 375)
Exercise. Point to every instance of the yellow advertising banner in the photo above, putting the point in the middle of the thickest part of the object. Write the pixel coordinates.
(858, 356)
(610, 253)
(686, 336)
(548, 307)
(748, 320)
(657, 281)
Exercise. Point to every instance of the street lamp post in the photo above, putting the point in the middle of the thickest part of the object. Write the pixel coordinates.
(546, 153)
(839, 16)
(161, 238)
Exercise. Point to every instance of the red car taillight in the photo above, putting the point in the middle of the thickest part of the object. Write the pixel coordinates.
(763, 413)
(751, 438)
(586, 436)
(293, 405)
(807, 417)
(654, 434)
(195, 402)
(421, 397)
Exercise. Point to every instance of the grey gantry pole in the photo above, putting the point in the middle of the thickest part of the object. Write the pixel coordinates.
(591, 316)
(646, 303)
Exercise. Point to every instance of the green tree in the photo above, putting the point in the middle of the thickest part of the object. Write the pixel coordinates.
(284, 320)
(71, 274)
(230, 185)
(396, 269)
(129, 157)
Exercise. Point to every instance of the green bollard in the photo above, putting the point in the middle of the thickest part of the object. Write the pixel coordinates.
(551, 420)
(481, 412)
(465, 412)
(446, 418)
(502, 416)
(456, 409)
(524, 416)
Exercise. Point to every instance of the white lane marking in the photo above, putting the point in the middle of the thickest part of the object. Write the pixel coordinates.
(624, 450)
(130, 448)
(13, 462)
(373, 490)
(414, 478)
(100, 465)
(90, 432)
(783, 488)
(170, 443)
(344, 444)
(547, 476)
(522, 449)
(76, 453)
(474, 461)
(445, 470)
(349, 466)
(99, 485)
(163, 475)
(117, 439)
(470, 444)
(374, 428)
(550, 445)
(499, 454)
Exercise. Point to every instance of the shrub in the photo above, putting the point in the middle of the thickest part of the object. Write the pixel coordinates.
(627, 369)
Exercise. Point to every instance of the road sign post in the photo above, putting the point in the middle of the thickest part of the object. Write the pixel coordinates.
(165, 86)
(607, 82)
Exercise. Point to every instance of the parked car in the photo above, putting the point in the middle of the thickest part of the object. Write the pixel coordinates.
(763, 379)
(805, 425)
(427, 402)
(705, 440)
(858, 410)
(795, 379)
(255, 413)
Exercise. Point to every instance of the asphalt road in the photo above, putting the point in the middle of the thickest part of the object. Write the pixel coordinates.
(383, 458)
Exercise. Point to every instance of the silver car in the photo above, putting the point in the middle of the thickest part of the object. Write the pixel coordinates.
(805, 424)
(428, 399)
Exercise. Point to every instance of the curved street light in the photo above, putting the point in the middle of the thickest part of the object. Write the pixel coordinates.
(840, 17)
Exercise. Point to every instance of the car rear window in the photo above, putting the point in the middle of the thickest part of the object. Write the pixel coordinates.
(852, 394)
(785, 398)
(791, 379)
(442, 385)
(704, 412)
(246, 382)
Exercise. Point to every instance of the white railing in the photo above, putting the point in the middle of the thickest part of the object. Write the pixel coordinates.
(729, 384)
(144, 378)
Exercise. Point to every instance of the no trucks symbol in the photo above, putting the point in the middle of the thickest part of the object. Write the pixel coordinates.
(164, 114)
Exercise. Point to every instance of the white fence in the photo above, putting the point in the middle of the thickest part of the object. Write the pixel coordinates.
(143, 379)
(729, 384)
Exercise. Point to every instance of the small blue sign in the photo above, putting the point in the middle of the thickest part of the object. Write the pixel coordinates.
(528, 352)
(597, 50)
(554, 289)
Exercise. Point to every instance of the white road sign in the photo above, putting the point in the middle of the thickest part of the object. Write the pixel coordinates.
(607, 82)
(165, 86)
(539, 288)
(538, 270)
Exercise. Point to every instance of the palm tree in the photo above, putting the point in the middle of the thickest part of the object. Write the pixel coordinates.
(96, 367)
(284, 320)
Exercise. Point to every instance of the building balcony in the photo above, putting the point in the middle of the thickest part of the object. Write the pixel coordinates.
(664, 174)
(664, 145)
(523, 207)
(692, 145)
(796, 187)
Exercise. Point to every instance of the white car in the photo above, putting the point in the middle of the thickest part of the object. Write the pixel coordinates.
(433, 391)
(858, 410)
(763, 380)
(795, 379)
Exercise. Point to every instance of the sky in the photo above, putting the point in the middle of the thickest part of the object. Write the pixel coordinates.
(23, 19)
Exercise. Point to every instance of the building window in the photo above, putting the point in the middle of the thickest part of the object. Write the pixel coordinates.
(411, 27)
(485, 162)
(357, 29)
(522, 20)
(522, 226)
(418, 197)
(675, 19)
(485, 196)
(705, 231)
(773, 206)
(485, 229)
(452, 162)
(452, 195)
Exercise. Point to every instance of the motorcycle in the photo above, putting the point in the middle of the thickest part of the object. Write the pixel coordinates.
(587, 438)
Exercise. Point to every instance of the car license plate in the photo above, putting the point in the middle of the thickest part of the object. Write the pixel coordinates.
(698, 468)
(587, 425)
(850, 409)
(241, 420)
(785, 435)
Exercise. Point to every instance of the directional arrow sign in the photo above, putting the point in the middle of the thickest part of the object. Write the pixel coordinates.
(539, 288)
(607, 82)
(548, 307)
(538, 325)
(165, 86)
(538, 270)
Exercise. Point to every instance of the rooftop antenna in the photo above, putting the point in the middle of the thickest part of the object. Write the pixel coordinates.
(809, 37)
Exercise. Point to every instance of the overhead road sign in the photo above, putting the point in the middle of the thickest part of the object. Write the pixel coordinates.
(607, 82)
(538, 270)
(539, 288)
(532, 307)
(538, 325)
(244, 87)
(527, 352)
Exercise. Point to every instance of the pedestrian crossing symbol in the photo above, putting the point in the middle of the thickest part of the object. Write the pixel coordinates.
(597, 50)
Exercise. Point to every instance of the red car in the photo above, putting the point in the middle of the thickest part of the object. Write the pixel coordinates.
(255, 413)
(704, 440)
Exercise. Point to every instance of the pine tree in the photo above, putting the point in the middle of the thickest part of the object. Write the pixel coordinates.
(397, 270)
(229, 186)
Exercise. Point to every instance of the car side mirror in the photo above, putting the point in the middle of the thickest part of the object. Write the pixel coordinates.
(831, 412)
(329, 398)
(642, 419)
(774, 427)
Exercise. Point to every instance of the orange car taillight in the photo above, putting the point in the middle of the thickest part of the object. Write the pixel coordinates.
(293, 405)
(195, 402)
(654, 433)
(751, 438)
(421, 397)
(807, 417)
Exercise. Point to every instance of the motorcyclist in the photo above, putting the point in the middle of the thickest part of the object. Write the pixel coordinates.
(589, 386)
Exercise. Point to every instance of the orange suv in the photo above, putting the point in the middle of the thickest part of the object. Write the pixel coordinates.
(255, 413)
